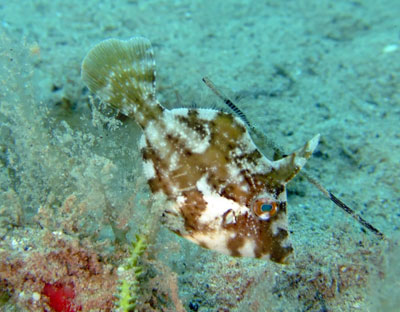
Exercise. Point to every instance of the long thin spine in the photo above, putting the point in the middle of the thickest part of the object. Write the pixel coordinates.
(339, 203)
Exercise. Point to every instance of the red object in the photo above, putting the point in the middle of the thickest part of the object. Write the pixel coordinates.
(60, 297)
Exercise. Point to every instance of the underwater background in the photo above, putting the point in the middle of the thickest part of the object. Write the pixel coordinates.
(73, 198)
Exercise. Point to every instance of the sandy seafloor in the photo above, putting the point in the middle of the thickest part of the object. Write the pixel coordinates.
(71, 193)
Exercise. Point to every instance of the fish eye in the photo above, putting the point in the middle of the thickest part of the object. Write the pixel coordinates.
(265, 208)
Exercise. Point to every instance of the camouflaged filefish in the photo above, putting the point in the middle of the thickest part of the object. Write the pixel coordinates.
(226, 194)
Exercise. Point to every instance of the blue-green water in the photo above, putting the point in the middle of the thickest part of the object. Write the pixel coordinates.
(72, 193)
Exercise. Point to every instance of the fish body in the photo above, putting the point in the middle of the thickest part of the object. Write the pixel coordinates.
(221, 192)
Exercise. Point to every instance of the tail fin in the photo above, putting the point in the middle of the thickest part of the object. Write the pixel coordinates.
(122, 73)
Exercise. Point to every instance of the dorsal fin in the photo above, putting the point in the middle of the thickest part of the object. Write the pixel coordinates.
(227, 101)
(262, 141)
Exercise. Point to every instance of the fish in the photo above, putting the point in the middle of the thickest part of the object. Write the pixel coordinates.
(220, 191)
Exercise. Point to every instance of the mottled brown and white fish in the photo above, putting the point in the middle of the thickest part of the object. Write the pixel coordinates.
(226, 194)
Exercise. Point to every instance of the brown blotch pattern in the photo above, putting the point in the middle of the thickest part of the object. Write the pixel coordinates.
(226, 135)
(192, 210)
(193, 122)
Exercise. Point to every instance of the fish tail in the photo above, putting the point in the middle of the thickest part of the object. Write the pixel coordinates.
(122, 73)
